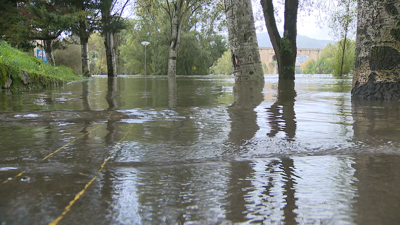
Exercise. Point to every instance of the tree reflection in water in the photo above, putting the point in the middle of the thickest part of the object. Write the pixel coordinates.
(282, 115)
(112, 105)
(376, 127)
(248, 95)
(244, 126)
(282, 118)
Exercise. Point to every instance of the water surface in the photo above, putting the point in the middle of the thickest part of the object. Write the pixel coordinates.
(204, 155)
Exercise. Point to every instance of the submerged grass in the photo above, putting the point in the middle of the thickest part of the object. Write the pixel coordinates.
(17, 61)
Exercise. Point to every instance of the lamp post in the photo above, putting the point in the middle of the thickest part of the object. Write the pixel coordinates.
(145, 43)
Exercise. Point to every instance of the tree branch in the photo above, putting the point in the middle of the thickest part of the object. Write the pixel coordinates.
(270, 22)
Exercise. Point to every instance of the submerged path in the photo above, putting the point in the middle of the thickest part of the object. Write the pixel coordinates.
(310, 155)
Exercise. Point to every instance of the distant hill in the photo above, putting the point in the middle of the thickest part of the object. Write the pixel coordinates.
(302, 41)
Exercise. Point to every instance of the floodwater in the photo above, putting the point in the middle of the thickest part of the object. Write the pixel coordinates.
(130, 151)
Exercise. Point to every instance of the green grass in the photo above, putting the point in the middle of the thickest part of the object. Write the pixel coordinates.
(18, 60)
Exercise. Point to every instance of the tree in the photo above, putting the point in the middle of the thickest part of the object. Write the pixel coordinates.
(13, 25)
(198, 52)
(85, 26)
(342, 62)
(331, 60)
(309, 66)
(377, 57)
(200, 44)
(46, 21)
(111, 23)
(67, 55)
(265, 68)
(285, 47)
(343, 24)
(243, 40)
(178, 12)
(223, 65)
(97, 54)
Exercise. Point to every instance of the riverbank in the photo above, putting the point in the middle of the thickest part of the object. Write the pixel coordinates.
(21, 71)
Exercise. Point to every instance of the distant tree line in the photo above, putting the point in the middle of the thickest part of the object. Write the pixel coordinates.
(106, 38)
(331, 60)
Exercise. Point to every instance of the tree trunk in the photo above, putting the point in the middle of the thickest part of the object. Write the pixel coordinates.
(243, 41)
(176, 27)
(377, 60)
(110, 54)
(85, 56)
(273, 32)
(172, 93)
(343, 54)
(111, 93)
(285, 47)
(174, 43)
(49, 51)
(288, 41)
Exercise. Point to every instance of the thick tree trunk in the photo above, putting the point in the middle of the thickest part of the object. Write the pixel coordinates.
(85, 56)
(110, 54)
(49, 51)
(243, 41)
(377, 60)
(285, 47)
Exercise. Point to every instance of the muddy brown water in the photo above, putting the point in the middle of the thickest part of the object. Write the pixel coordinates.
(309, 156)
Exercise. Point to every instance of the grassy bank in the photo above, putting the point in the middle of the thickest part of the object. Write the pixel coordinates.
(19, 70)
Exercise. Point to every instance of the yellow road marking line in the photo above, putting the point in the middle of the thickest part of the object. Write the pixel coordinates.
(20, 174)
(112, 152)
(90, 131)
(68, 208)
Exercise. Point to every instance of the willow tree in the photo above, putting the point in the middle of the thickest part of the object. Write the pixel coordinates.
(377, 60)
(243, 40)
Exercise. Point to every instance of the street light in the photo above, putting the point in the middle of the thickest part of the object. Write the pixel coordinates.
(145, 43)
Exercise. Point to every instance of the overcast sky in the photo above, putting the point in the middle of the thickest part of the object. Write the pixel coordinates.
(306, 25)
